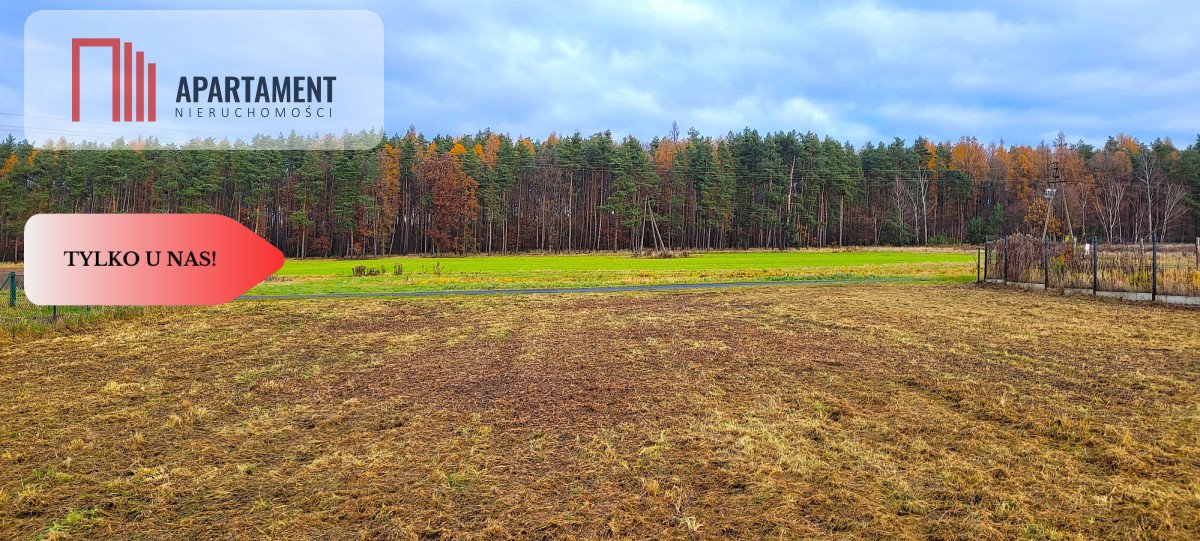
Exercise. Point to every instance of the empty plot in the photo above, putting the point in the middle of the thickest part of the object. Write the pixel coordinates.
(898, 411)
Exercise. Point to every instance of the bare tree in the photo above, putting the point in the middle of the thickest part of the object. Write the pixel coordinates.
(1113, 175)
(1171, 199)
(1149, 176)
(922, 194)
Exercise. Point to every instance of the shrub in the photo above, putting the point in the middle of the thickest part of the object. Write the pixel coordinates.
(363, 270)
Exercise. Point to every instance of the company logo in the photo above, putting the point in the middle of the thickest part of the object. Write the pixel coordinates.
(142, 91)
(204, 79)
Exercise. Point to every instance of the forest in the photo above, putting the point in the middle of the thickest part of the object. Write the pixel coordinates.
(494, 193)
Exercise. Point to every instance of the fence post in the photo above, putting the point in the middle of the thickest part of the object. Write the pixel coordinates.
(1006, 259)
(12, 289)
(54, 313)
(978, 262)
(1095, 265)
(1197, 251)
(1153, 267)
(985, 259)
(1045, 264)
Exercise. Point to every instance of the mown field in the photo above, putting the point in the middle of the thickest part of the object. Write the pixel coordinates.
(528, 271)
(894, 411)
(610, 269)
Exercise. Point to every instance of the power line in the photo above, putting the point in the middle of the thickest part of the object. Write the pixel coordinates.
(810, 174)
(110, 124)
(51, 131)
(892, 175)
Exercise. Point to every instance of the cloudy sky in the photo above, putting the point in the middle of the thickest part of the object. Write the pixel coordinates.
(1019, 70)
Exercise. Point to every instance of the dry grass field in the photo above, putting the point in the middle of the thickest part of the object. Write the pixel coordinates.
(894, 411)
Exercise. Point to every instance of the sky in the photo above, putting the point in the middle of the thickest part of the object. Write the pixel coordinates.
(1018, 71)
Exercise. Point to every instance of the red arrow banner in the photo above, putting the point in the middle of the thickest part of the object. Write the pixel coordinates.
(142, 259)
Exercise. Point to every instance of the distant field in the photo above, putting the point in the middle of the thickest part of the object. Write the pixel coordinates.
(895, 411)
(527, 271)
(535, 271)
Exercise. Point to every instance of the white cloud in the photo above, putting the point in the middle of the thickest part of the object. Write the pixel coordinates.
(793, 113)
(862, 70)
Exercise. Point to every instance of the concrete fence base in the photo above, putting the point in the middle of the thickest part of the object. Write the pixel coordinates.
(1123, 295)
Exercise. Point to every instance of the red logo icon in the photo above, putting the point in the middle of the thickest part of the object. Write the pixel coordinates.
(141, 92)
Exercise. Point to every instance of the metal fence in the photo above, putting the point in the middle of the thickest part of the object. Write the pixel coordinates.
(21, 318)
(17, 312)
(1151, 270)
(11, 283)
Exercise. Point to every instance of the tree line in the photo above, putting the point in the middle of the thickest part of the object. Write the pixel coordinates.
(490, 192)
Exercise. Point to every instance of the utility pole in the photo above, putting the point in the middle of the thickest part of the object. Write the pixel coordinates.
(1055, 179)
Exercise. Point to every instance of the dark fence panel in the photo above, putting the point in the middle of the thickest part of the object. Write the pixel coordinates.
(1154, 268)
